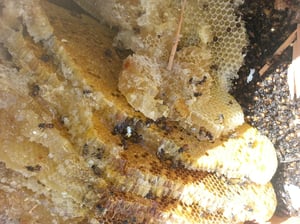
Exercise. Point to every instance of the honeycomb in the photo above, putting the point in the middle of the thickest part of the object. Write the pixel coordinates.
(212, 35)
(88, 155)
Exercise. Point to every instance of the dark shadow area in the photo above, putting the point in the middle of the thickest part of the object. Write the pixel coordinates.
(265, 100)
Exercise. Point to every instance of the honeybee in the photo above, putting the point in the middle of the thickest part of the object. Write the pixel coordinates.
(160, 153)
(46, 125)
(35, 90)
(85, 149)
(183, 148)
(221, 118)
(35, 168)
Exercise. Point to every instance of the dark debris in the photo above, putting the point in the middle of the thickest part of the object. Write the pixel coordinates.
(265, 100)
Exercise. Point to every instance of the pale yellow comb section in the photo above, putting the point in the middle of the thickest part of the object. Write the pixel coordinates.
(77, 141)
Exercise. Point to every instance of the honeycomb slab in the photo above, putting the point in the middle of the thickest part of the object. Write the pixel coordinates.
(78, 148)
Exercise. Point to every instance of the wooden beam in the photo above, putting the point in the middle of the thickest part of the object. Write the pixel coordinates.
(279, 51)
